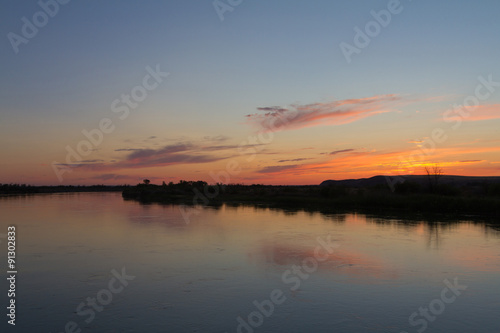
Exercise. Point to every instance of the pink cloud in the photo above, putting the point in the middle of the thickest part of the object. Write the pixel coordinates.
(477, 113)
(321, 114)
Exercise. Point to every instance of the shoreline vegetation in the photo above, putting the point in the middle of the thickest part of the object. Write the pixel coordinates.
(21, 189)
(456, 196)
(452, 195)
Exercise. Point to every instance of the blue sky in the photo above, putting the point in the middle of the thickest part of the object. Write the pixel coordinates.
(264, 53)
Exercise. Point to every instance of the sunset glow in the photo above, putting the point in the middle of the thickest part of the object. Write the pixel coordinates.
(179, 93)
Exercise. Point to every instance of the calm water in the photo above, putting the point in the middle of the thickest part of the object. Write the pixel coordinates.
(306, 272)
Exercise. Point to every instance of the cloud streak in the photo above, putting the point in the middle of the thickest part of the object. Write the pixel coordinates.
(369, 163)
(180, 153)
(277, 168)
(294, 160)
(476, 113)
(470, 161)
(340, 151)
(321, 114)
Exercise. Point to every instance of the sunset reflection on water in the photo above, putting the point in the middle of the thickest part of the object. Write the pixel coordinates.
(203, 274)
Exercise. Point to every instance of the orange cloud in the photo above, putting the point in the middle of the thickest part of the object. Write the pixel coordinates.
(358, 164)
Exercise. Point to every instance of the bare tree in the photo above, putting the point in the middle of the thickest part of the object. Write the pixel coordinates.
(434, 174)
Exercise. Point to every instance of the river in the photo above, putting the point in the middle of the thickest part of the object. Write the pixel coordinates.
(96, 263)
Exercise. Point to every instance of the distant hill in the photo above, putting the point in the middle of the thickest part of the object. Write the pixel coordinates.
(458, 181)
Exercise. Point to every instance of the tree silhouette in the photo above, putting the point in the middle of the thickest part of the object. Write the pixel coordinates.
(146, 181)
(434, 174)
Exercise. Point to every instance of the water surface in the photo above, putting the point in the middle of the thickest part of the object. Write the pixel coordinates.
(207, 274)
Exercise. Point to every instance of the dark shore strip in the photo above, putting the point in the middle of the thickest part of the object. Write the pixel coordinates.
(319, 198)
(21, 189)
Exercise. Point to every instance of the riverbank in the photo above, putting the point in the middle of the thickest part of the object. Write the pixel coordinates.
(21, 189)
(314, 197)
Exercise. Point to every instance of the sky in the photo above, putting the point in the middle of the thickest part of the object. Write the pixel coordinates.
(240, 91)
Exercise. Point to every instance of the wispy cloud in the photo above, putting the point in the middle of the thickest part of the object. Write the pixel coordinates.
(217, 138)
(179, 153)
(335, 152)
(320, 114)
(166, 151)
(221, 147)
(272, 109)
(477, 113)
(128, 149)
(294, 160)
(91, 161)
(277, 168)
(470, 161)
